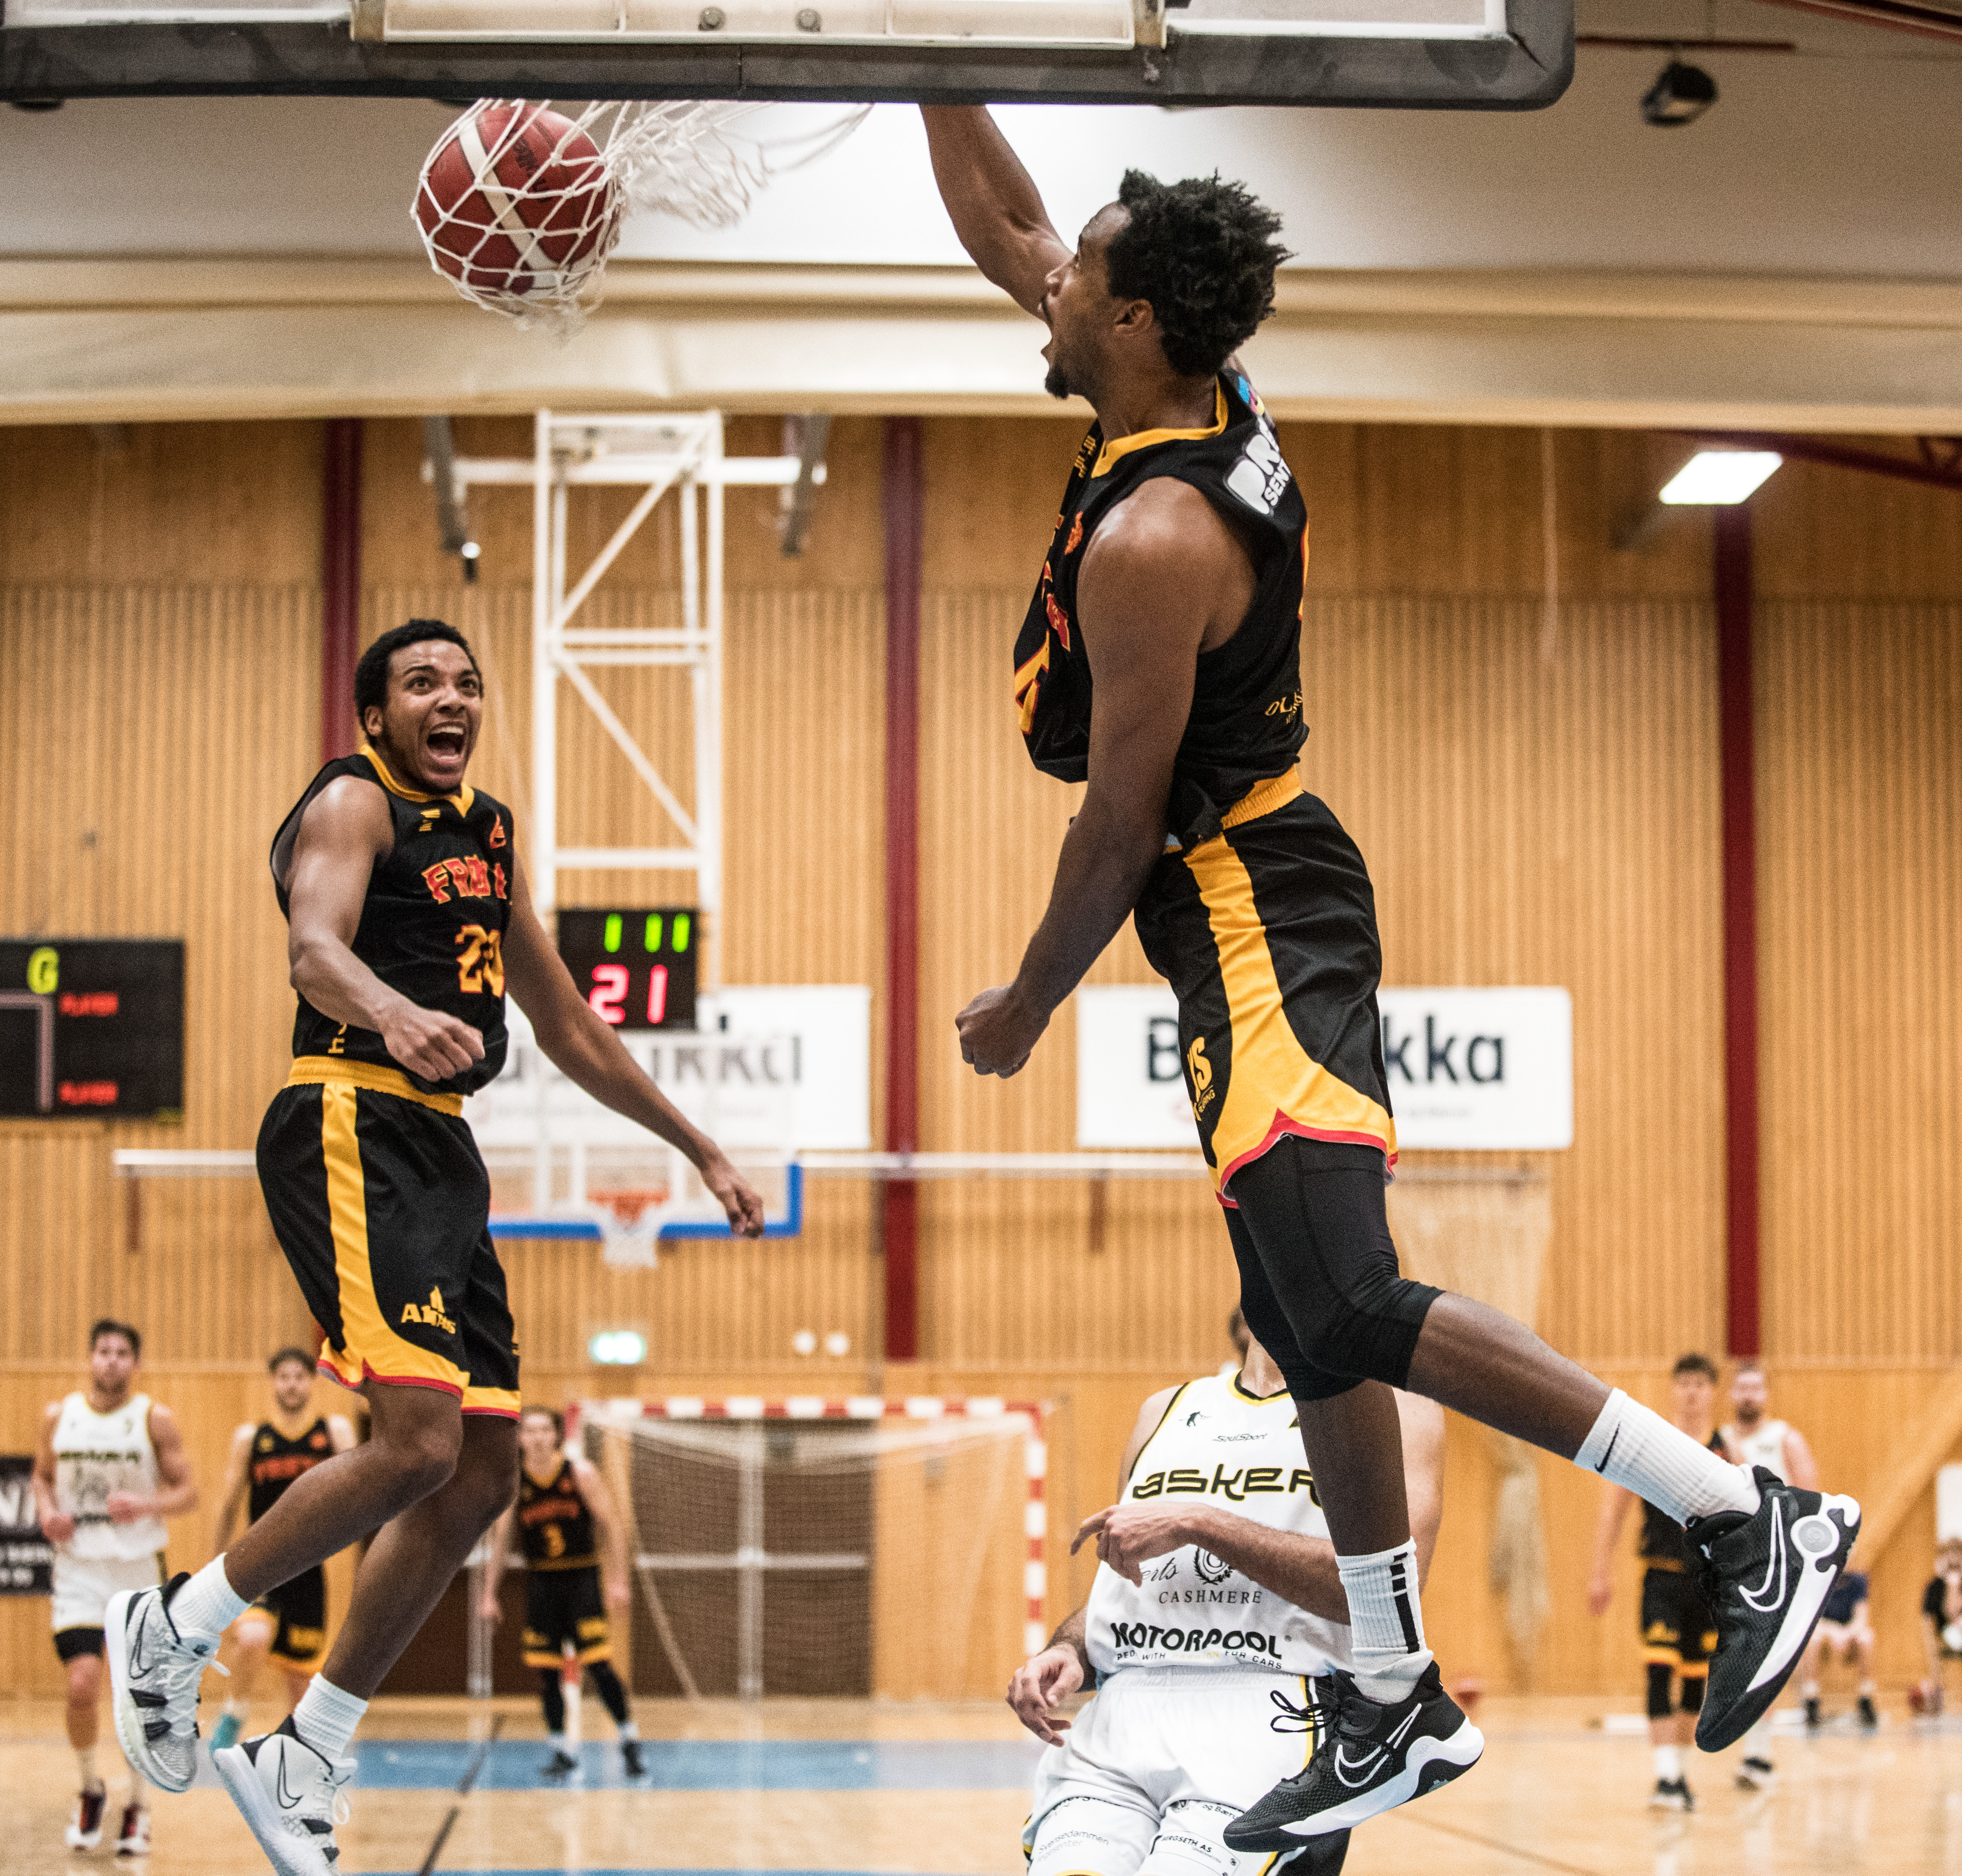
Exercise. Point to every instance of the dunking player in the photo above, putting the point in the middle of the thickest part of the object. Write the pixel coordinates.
(1217, 1599)
(563, 1514)
(109, 1467)
(1758, 1442)
(288, 1624)
(408, 912)
(1677, 1636)
(1175, 576)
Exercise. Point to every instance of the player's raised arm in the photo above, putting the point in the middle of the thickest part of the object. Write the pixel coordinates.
(347, 827)
(581, 1042)
(995, 207)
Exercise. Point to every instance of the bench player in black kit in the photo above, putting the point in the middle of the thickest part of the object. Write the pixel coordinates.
(1175, 575)
(407, 911)
(564, 1518)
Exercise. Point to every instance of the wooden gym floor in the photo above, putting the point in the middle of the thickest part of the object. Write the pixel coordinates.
(861, 1788)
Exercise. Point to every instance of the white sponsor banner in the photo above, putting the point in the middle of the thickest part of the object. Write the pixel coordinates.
(1481, 1069)
(783, 1067)
(1130, 1083)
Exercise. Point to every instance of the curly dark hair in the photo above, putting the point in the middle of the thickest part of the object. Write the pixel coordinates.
(1202, 251)
(371, 674)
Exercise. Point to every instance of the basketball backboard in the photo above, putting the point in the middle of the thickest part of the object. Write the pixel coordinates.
(1490, 55)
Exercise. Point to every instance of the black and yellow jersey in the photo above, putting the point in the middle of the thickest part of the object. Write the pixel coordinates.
(554, 1524)
(1662, 1544)
(277, 1462)
(1246, 723)
(433, 924)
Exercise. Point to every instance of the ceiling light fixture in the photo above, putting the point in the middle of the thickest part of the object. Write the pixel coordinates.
(1719, 478)
(1681, 94)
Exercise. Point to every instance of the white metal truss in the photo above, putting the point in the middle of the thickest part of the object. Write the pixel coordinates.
(657, 453)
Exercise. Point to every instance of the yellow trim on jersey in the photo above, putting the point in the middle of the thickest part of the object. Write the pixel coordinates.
(369, 1347)
(1263, 798)
(1247, 1394)
(310, 1071)
(1143, 439)
(1275, 1086)
(1178, 1395)
(461, 800)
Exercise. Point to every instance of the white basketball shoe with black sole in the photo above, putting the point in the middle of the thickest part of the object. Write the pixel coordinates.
(154, 1673)
(1765, 1576)
(291, 1795)
(1370, 1757)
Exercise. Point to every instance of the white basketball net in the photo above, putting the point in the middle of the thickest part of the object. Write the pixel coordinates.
(686, 158)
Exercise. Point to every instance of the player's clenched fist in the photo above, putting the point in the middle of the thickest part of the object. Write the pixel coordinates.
(430, 1043)
(1041, 1685)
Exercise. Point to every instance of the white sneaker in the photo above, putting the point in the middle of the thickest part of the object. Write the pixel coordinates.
(291, 1797)
(153, 1677)
(84, 1828)
(133, 1839)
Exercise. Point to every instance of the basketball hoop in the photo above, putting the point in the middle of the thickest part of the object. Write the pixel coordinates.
(519, 206)
(630, 1219)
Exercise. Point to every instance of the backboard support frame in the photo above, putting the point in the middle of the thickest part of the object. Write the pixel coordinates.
(1527, 70)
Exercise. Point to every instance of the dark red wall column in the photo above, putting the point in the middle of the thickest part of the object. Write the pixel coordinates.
(1734, 609)
(905, 502)
(340, 586)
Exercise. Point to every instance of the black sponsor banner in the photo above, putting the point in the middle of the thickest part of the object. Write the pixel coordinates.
(27, 1558)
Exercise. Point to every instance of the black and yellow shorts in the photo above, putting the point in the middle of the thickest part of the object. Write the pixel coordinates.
(1267, 934)
(1677, 1630)
(298, 1611)
(382, 1206)
(562, 1605)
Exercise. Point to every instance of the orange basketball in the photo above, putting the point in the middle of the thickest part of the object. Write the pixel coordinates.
(513, 197)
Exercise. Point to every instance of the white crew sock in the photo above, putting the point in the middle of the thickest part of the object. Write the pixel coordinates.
(1867, 1689)
(1808, 1690)
(1668, 1763)
(84, 1767)
(207, 1605)
(326, 1718)
(1633, 1446)
(1385, 1621)
(1758, 1741)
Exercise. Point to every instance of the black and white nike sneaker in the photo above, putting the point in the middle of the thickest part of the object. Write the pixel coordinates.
(1765, 1578)
(291, 1797)
(154, 1673)
(1368, 1758)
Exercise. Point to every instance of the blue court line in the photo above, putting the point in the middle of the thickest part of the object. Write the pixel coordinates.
(709, 1766)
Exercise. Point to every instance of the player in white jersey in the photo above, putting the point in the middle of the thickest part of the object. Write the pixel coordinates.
(1754, 1437)
(1216, 1602)
(109, 1469)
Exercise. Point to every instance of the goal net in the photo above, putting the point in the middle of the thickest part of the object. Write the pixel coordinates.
(810, 1548)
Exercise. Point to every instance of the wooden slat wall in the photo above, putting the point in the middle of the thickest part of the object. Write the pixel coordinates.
(1535, 793)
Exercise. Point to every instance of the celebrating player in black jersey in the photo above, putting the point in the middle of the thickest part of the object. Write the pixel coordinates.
(407, 911)
(288, 1624)
(1677, 1633)
(565, 1515)
(1174, 576)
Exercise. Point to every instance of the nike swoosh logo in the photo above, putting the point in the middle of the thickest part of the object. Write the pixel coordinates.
(1765, 1596)
(287, 1799)
(1610, 1453)
(137, 1664)
(1343, 1766)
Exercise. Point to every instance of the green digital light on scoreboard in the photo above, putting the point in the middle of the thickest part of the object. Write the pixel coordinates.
(636, 967)
(91, 1027)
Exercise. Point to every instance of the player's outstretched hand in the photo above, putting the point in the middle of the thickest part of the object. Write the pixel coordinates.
(739, 1199)
(1129, 1536)
(58, 1527)
(429, 1043)
(1041, 1685)
(998, 1033)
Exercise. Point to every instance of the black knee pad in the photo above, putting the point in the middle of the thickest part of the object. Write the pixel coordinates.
(1313, 1217)
(606, 1684)
(1692, 1693)
(553, 1695)
(1660, 1674)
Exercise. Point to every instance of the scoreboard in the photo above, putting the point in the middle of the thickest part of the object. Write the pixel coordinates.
(636, 968)
(91, 1027)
